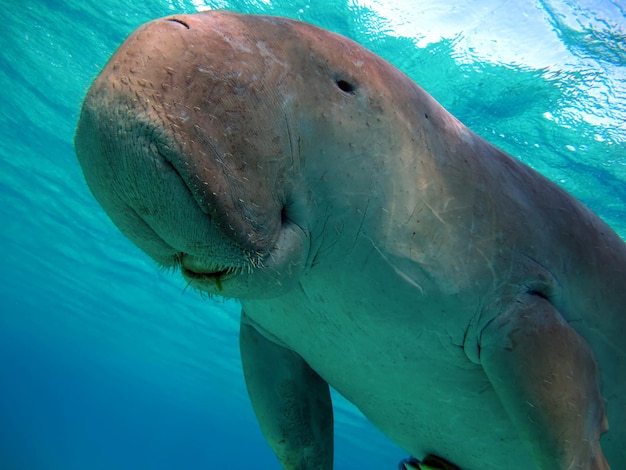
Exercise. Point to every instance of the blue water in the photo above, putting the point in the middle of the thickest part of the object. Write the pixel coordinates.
(106, 362)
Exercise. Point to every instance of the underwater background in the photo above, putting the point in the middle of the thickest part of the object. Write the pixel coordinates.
(106, 362)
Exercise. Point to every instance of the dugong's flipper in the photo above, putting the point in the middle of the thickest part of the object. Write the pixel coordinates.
(292, 403)
(430, 462)
(409, 464)
(547, 379)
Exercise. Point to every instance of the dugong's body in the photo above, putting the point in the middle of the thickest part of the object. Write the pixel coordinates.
(469, 307)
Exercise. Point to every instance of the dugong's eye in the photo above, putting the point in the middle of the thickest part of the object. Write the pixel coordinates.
(345, 86)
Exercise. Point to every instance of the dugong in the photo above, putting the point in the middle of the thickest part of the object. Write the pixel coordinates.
(471, 309)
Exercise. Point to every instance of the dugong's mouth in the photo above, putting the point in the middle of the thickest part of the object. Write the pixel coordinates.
(212, 276)
(208, 275)
(188, 273)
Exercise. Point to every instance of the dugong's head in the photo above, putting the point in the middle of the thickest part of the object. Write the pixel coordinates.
(207, 139)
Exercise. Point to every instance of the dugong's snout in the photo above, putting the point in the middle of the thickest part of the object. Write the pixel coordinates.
(145, 195)
(164, 147)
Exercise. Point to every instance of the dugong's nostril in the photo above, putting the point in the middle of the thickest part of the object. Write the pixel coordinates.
(176, 20)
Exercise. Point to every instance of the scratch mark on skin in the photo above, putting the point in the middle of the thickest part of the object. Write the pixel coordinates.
(363, 215)
(489, 264)
(414, 212)
(395, 269)
(434, 213)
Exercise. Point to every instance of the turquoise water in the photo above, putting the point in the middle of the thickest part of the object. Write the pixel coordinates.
(106, 362)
